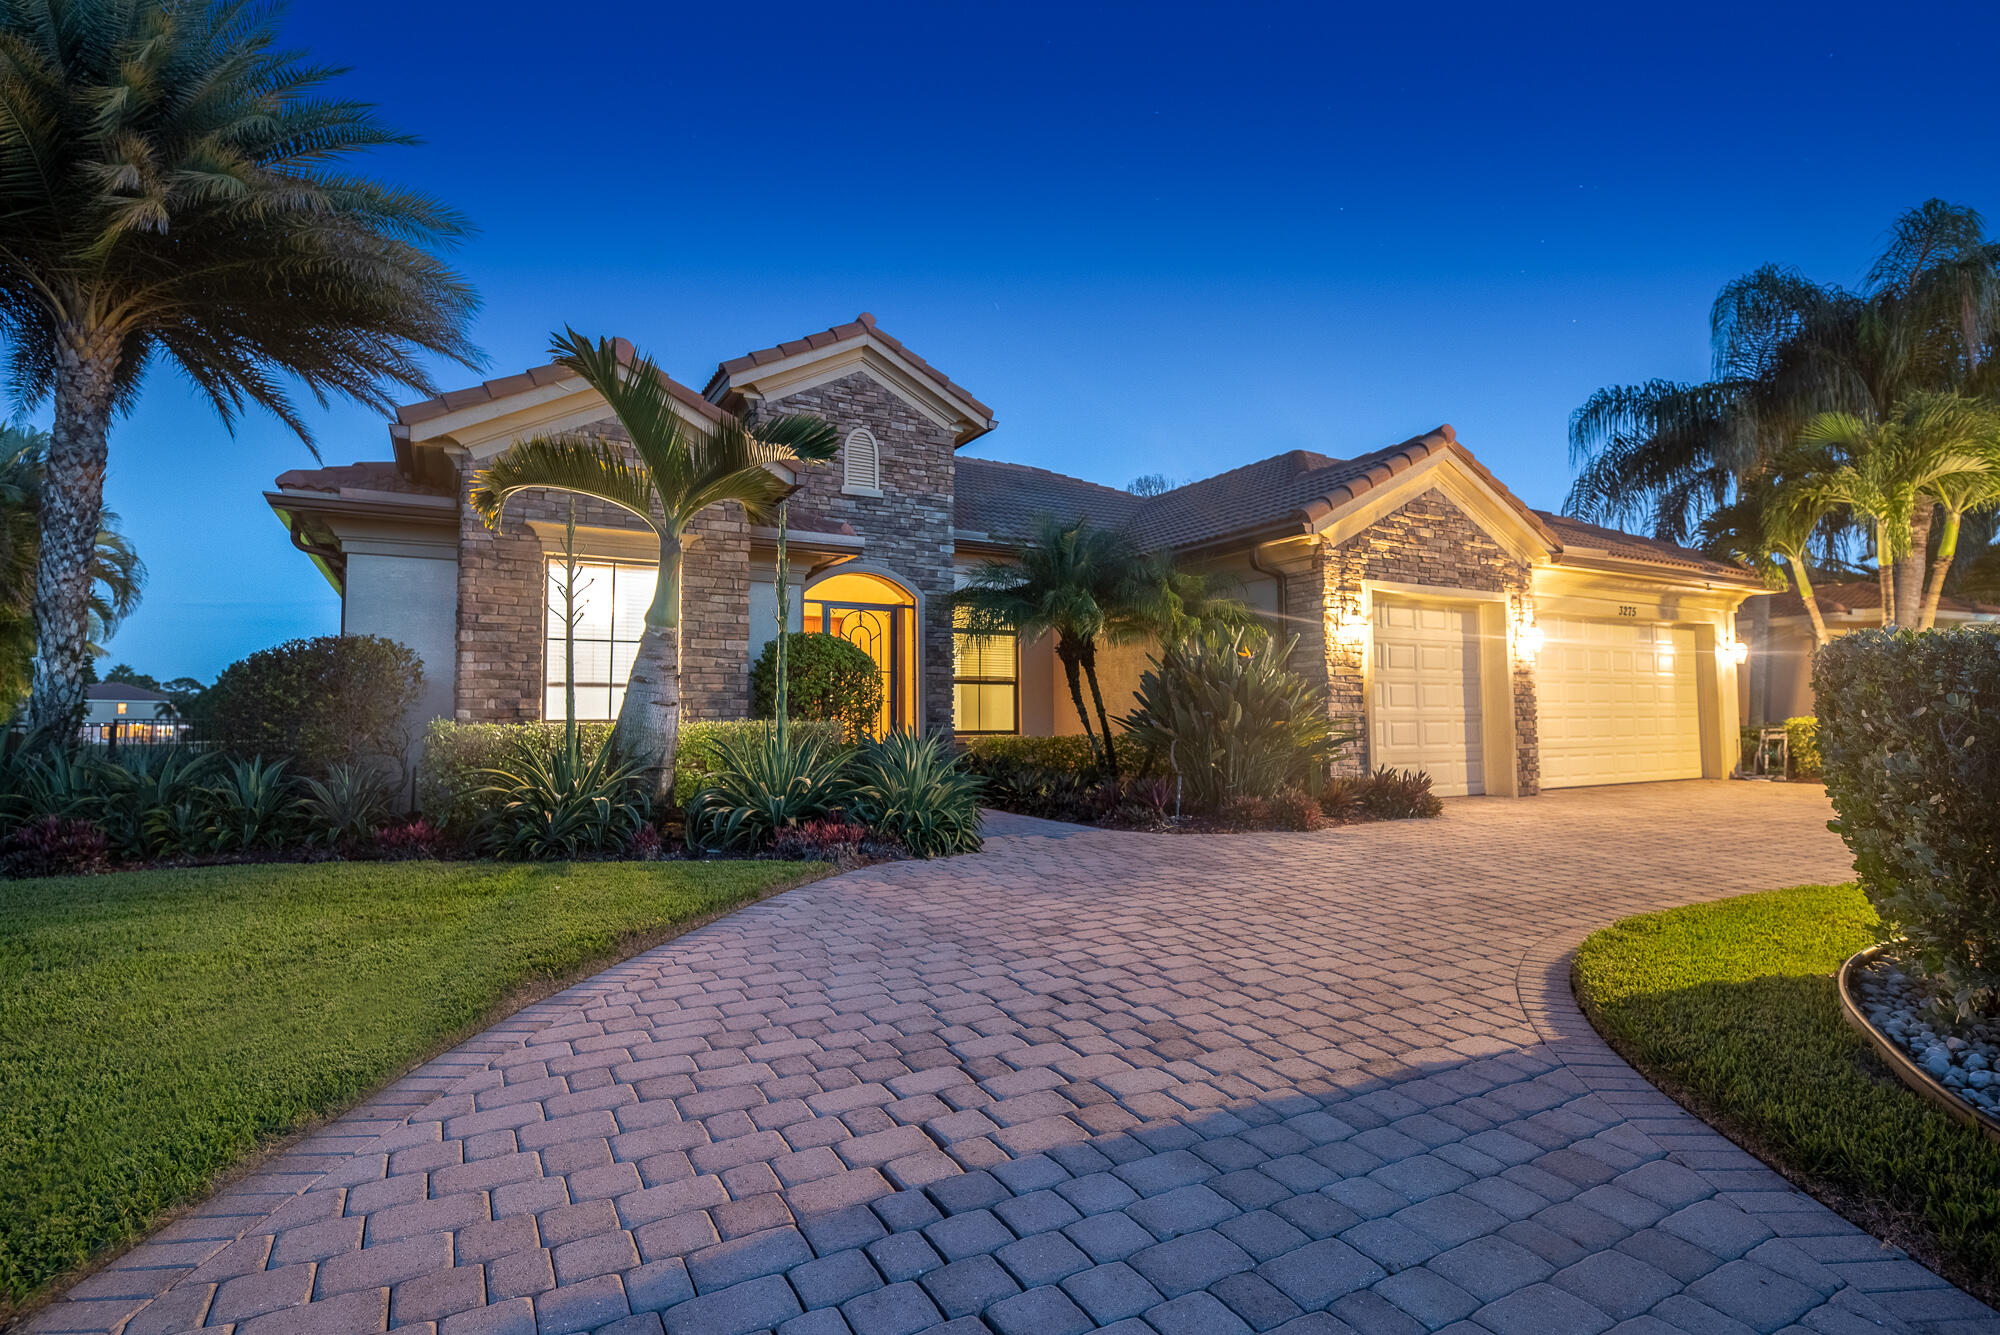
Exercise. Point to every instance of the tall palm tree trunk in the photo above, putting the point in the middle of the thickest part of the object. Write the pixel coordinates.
(1804, 581)
(1103, 723)
(1070, 661)
(1912, 564)
(1940, 567)
(649, 722)
(1760, 667)
(71, 510)
(1885, 574)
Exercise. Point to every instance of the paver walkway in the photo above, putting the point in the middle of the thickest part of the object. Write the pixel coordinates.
(1159, 1085)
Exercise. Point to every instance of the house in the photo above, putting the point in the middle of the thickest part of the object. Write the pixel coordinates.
(1782, 663)
(1500, 648)
(118, 712)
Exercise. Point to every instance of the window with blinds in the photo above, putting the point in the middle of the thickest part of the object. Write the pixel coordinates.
(610, 602)
(861, 461)
(985, 686)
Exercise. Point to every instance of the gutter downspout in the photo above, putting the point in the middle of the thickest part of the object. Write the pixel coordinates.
(334, 559)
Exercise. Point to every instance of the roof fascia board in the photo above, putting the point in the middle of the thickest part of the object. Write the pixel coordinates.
(1464, 488)
(327, 504)
(1587, 559)
(487, 428)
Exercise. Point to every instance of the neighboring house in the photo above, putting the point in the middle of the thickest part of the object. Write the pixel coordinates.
(119, 712)
(1503, 649)
(1782, 665)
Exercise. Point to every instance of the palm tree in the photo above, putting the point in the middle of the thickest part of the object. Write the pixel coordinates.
(1888, 469)
(1958, 495)
(1078, 582)
(117, 575)
(668, 474)
(1786, 349)
(174, 191)
(1196, 603)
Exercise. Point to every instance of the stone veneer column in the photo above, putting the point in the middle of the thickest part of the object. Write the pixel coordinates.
(907, 529)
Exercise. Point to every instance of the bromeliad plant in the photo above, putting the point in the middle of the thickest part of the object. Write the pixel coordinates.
(669, 473)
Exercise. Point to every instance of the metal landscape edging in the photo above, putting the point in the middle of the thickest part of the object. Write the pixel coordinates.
(1898, 1060)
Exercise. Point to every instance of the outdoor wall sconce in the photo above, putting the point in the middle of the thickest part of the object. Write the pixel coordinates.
(1740, 652)
(1530, 642)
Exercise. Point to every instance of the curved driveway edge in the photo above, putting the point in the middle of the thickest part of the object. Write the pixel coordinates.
(1314, 1083)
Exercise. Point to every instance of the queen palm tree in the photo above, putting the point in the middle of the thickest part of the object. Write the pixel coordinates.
(174, 187)
(1888, 469)
(1083, 584)
(667, 476)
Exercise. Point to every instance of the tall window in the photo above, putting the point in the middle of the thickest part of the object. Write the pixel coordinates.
(611, 602)
(985, 684)
(861, 460)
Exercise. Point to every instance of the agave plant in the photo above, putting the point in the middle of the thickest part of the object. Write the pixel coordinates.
(349, 806)
(564, 802)
(1233, 720)
(252, 807)
(156, 810)
(765, 785)
(914, 789)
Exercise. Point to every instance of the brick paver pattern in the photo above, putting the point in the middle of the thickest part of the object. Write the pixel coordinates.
(1310, 1083)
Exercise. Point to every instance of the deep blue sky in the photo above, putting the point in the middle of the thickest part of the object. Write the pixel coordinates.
(1152, 237)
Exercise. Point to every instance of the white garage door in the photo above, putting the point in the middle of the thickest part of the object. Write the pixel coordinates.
(1424, 694)
(1616, 702)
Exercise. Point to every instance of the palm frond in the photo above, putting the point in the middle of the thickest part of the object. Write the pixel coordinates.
(567, 461)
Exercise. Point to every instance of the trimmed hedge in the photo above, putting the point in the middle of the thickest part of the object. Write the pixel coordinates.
(1802, 746)
(449, 780)
(1909, 733)
(316, 703)
(1068, 755)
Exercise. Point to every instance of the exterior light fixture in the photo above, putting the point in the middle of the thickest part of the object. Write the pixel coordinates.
(1740, 652)
(1531, 640)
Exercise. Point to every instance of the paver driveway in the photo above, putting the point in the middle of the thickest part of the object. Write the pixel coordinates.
(1309, 1083)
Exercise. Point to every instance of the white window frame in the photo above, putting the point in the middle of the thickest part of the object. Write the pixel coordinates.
(861, 468)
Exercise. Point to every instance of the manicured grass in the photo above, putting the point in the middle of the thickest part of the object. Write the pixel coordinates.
(1731, 1007)
(157, 1027)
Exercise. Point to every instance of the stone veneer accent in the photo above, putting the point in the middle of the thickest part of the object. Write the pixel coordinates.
(1428, 541)
(907, 529)
(502, 615)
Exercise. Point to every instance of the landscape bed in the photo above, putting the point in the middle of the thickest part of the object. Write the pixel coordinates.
(1732, 1008)
(157, 1028)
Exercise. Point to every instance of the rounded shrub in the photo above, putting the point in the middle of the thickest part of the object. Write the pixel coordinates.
(316, 703)
(827, 678)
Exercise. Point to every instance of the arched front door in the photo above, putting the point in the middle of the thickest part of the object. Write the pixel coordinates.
(879, 615)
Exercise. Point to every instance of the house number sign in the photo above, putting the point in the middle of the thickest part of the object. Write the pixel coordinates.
(1626, 610)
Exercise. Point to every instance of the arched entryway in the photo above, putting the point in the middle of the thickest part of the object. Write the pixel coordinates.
(878, 614)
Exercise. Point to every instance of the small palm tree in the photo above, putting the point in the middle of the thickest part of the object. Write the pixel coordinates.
(1769, 527)
(1888, 469)
(668, 475)
(1083, 584)
(174, 188)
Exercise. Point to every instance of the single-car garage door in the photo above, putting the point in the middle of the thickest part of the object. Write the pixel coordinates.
(1424, 694)
(1616, 702)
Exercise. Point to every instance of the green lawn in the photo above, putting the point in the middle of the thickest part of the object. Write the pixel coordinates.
(158, 1027)
(1732, 1008)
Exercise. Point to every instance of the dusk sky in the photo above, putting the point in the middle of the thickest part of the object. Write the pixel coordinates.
(1154, 238)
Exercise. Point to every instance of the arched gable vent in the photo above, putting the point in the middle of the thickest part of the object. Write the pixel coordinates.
(861, 460)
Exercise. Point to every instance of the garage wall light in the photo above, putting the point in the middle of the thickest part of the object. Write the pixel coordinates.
(1531, 641)
(1740, 652)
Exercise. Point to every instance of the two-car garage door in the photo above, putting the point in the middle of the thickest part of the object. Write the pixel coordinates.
(1616, 699)
(1616, 702)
